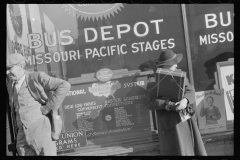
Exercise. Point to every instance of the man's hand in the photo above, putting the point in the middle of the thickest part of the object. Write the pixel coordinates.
(182, 104)
(45, 109)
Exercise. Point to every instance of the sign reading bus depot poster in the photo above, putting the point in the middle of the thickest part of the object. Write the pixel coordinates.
(67, 40)
(114, 108)
(211, 111)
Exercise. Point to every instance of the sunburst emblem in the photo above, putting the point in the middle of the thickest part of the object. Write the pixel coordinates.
(16, 18)
(93, 11)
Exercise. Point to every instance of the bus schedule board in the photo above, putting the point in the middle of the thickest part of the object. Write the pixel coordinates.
(114, 108)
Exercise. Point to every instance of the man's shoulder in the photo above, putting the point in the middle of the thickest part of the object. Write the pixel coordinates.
(36, 74)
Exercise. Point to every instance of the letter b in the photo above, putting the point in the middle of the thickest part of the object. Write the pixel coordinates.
(34, 40)
(213, 20)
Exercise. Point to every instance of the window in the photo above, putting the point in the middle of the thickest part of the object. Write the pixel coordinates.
(132, 38)
(211, 31)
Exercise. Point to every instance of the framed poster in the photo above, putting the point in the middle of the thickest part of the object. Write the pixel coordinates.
(108, 111)
(211, 111)
(226, 81)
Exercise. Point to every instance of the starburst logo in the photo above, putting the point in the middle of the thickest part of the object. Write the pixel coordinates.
(16, 18)
(92, 11)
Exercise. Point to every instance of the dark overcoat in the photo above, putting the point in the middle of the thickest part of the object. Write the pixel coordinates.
(176, 137)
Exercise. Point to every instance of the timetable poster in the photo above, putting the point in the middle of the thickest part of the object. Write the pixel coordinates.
(105, 108)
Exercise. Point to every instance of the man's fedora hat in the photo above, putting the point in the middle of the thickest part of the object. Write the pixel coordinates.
(168, 57)
(14, 59)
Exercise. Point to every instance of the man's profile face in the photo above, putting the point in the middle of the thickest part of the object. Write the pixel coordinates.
(15, 72)
(210, 101)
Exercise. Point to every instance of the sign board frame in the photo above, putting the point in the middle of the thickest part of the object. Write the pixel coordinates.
(211, 120)
(222, 84)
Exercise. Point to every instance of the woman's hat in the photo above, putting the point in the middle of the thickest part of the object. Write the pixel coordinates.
(168, 57)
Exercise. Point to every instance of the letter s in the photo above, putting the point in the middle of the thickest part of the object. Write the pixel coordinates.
(75, 140)
(65, 36)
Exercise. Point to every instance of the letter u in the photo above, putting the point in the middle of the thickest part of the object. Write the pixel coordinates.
(66, 55)
(228, 19)
(54, 39)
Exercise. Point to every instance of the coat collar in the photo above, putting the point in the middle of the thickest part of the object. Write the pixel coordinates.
(10, 83)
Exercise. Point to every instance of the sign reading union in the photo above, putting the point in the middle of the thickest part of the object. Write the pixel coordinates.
(88, 11)
(71, 140)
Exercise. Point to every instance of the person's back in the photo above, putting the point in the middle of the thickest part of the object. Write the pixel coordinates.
(177, 136)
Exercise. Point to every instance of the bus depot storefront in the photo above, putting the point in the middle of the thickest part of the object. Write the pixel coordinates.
(74, 41)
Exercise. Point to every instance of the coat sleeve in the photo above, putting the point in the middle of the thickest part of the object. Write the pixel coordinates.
(153, 102)
(57, 86)
(189, 92)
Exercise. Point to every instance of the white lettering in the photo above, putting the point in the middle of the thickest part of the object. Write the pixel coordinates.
(56, 57)
(119, 32)
(228, 18)
(88, 52)
(213, 36)
(39, 57)
(65, 36)
(34, 40)
(170, 41)
(229, 36)
(213, 20)
(104, 33)
(76, 92)
(203, 40)
(146, 29)
(47, 38)
(86, 34)
(72, 54)
(156, 24)
(221, 35)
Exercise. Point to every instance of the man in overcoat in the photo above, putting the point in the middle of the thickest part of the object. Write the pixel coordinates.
(33, 127)
(176, 136)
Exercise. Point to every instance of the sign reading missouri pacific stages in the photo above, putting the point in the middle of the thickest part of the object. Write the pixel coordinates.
(106, 108)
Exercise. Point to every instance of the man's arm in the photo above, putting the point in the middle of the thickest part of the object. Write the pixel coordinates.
(59, 88)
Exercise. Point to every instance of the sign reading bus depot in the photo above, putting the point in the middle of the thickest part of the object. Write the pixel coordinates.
(115, 107)
(39, 34)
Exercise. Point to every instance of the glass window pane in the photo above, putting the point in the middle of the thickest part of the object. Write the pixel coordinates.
(131, 37)
(211, 30)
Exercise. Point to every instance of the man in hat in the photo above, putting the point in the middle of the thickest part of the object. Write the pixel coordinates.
(176, 136)
(33, 127)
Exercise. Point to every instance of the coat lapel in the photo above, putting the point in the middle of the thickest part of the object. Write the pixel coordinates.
(10, 92)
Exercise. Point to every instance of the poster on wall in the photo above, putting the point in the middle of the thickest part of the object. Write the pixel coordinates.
(18, 29)
(226, 81)
(211, 111)
(115, 108)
